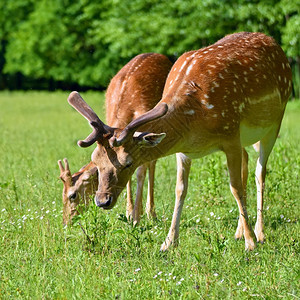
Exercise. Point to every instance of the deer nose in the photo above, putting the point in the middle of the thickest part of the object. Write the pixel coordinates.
(104, 202)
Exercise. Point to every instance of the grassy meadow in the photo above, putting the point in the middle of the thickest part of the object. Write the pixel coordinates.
(111, 259)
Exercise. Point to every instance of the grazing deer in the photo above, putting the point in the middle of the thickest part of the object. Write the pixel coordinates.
(77, 188)
(225, 97)
(134, 90)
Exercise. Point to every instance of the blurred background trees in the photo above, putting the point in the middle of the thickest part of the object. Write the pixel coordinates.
(67, 44)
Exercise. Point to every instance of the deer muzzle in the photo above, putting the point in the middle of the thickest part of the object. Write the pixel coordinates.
(104, 201)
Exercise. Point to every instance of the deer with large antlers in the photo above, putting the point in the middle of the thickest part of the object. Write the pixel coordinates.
(224, 97)
(134, 90)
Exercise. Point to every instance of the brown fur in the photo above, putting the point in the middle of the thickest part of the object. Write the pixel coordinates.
(223, 97)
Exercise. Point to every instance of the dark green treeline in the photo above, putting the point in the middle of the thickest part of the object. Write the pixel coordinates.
(65, 44)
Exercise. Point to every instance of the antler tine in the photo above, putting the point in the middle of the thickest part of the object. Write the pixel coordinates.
(61, 167)
(157, 112)
(67, 167)
(99, 128)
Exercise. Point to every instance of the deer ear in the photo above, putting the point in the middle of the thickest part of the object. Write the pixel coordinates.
(150, 139)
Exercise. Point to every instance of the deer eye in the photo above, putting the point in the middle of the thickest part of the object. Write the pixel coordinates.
(73, 196)
(128, 165)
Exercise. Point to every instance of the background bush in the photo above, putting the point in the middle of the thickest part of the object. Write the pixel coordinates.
(62, 43)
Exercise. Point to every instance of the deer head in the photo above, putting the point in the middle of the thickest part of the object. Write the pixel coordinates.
(77, 188)
(113, 155)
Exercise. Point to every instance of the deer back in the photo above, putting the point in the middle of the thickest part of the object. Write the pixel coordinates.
(136, 88)
(242, 81)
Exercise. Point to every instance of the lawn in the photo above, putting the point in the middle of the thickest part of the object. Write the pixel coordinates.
(111, 259)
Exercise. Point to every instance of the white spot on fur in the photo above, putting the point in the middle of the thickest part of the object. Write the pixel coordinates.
(189, 69)
(209, 106)
(241, 107)
(189, 112)
(182, 66)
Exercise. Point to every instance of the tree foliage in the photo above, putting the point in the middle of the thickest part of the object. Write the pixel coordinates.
(86, 42)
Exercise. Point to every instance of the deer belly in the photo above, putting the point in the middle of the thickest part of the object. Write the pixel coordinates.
(251, 134)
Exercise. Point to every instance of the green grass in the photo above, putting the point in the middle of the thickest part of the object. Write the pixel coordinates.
(39, 259)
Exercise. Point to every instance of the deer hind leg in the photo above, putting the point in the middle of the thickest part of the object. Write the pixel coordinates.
(234, 162)
(150, 207)
(129, 206)
(265, 147)
(183, 169)
(240, 230)
(138, 205)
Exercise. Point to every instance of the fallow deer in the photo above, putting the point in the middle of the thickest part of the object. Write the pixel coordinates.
(224, 97)
(134, 90)
(77, 188)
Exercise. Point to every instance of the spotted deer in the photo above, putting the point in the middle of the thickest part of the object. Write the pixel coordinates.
(224, 97)
(77, 188)
(134, 90)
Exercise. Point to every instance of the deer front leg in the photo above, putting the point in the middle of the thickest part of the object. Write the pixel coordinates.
(150, 207)
(240, 230)
(129, 206)
(183, 169)
(138, 205)
(234, 162)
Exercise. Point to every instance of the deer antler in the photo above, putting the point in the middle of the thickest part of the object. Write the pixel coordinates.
(157, 112)
(65, 173)
(99, 128)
